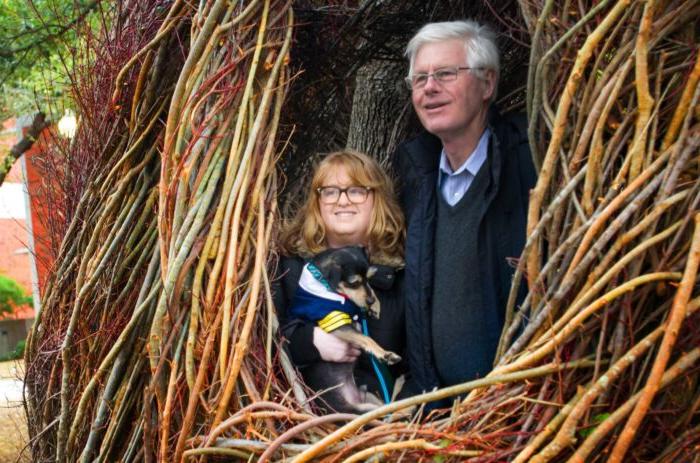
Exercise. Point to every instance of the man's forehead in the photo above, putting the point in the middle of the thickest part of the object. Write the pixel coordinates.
(440, 54)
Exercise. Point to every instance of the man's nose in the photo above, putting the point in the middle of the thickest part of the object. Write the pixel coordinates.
(431, 84)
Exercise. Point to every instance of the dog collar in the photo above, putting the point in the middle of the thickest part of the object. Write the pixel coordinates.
(316, 273)
(319, 277)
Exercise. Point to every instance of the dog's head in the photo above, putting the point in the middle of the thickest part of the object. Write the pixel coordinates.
(347, 270)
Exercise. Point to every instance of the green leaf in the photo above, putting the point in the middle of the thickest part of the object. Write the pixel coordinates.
(37, 41)
(11, 295)
(442, 444)
(596, 420)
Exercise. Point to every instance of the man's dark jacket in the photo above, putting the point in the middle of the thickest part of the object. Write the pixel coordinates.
(501, 234)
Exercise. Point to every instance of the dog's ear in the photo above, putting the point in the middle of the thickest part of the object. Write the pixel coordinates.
(371, 271)
(381, 276)
(334, 275)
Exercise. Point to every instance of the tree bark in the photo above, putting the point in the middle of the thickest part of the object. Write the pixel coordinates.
(381, 110)
(38, 125)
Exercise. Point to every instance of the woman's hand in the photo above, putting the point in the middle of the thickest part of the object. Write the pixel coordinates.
(333, 349)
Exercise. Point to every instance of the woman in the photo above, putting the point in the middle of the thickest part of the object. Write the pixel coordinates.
(350, 202)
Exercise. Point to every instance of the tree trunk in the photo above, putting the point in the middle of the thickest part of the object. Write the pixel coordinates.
(38, 125)
(381, 109)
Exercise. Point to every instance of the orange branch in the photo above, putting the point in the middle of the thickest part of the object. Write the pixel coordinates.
(683, 105)
(675, 319)
(644, 99)
(560, 124)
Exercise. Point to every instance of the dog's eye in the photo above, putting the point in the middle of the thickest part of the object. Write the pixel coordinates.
(354, 284)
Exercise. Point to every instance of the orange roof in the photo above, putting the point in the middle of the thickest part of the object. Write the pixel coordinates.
(20, 313)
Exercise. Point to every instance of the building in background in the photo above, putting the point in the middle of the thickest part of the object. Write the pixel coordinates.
(18, 253)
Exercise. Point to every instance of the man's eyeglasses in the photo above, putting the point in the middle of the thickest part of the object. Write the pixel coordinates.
(355, 194)
(441, 75)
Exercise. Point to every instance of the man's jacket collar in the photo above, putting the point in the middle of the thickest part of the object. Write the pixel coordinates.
(426, 155)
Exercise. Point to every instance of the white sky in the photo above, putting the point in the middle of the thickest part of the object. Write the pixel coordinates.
(12, 201)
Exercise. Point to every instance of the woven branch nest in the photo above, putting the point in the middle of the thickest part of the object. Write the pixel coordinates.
(157, 337)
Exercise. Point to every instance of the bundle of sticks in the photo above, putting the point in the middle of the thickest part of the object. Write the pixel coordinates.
(157, 339)
(153, 325)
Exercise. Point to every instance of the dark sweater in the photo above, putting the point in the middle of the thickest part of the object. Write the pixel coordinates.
(463, 332)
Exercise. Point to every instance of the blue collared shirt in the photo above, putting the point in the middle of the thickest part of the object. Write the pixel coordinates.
(453, 184)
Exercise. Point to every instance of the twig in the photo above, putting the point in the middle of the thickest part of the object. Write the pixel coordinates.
(433, 396)
(675, 318)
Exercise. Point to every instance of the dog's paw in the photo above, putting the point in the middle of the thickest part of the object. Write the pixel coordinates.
(391, 358)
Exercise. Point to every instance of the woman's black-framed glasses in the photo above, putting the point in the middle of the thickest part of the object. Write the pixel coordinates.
(355, 194)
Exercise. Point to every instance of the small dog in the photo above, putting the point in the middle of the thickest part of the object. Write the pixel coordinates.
(328, 283)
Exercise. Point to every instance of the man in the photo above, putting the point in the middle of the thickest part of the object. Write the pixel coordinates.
(464, 190)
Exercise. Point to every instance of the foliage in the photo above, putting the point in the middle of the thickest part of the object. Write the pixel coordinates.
(37, 39)
(16, 353)
(11, 295)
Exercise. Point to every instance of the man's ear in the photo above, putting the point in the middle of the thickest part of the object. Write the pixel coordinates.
(489, 84)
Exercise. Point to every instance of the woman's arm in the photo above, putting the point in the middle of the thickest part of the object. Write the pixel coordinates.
(333, 349)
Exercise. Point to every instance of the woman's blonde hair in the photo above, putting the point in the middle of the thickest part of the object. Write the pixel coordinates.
(305, 233)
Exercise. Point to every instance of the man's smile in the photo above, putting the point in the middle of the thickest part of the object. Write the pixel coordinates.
(434, 105)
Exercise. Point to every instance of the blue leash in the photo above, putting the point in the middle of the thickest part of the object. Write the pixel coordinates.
(382, 381)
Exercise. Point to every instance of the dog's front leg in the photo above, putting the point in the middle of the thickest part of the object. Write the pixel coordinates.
(367, 344)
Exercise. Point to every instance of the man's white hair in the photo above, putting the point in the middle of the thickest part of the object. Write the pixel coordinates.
(479, 44)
